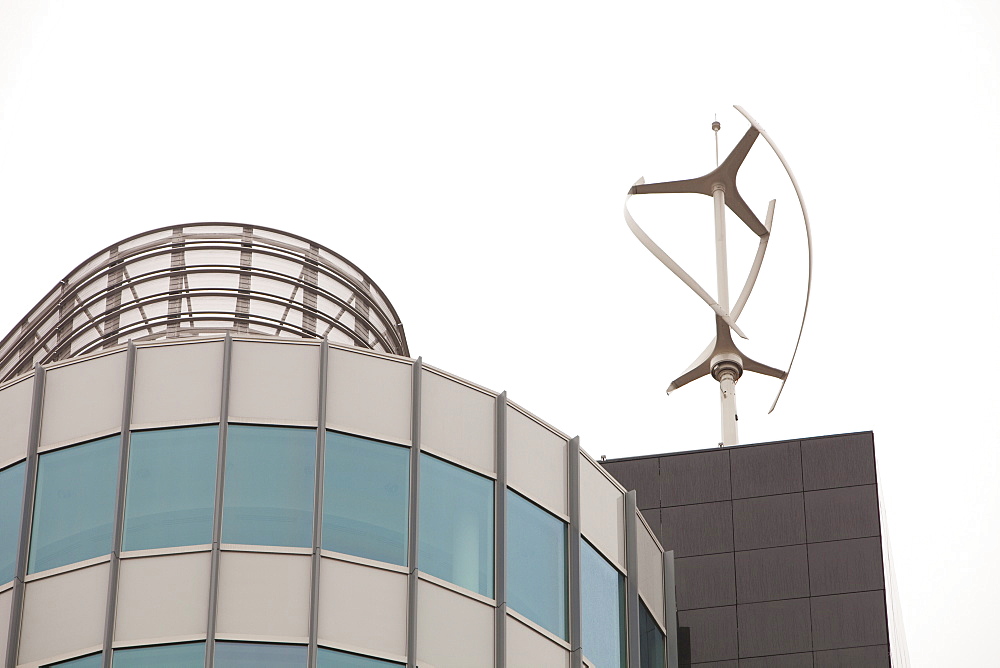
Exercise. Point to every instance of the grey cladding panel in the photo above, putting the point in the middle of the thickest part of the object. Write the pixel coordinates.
(696, 477)
(802, 660)
(704, 528)
(762, 470)
(849, 620)
(705, 582)
(772, 574)
(712, 632)
(642, 475)
(717, 664)
(839, 514)
(856, 657)
(769, 521)
(844, 566)
(776, 627)
(838, 461)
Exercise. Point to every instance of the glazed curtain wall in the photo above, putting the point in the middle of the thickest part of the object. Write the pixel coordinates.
(170, 495)
(487, 560)
(227, 655)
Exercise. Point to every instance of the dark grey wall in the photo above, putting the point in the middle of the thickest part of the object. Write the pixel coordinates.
(777, 549)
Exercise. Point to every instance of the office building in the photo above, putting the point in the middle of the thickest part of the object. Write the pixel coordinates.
(778, 551)
(217, 450)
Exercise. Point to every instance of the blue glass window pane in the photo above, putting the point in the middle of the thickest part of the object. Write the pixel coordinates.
(652, 653)
(11, 498)
(170, 496)
(90, 661)
(328, 658)
(456, 525)
(259, 655)
(536, 564)
(365, 498)
(74, 504)
(268, 497)
(186, 655)
(602, 608)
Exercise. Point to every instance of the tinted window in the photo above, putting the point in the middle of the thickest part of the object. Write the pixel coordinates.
(11, 498)
(90, 661)
(259, 655)
(74, 504)
(602, 607)
(171, 488)
(187, 655)
(365, 499)
(652, 653)
(268, 496)
(456, 525)
(328, 658)
(536, 564)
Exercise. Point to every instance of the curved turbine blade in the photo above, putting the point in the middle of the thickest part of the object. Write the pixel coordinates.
(755, 268)
(676, 268)
(805, 218)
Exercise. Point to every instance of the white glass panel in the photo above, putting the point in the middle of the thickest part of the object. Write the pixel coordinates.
(274, 382)
(264, 595)
(650, 572)
(64, 613)
(83, 399)
(162, 597)
(454, 631)
(458, 422)
(602, 511)
(527, 647)
(178, 384)
(15, 416)
(362, 607)
(536, 462)
(369, 396)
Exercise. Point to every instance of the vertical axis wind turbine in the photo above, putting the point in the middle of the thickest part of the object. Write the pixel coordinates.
(722, 359)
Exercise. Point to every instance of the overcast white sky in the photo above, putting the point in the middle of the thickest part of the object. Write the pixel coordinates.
(473, 159)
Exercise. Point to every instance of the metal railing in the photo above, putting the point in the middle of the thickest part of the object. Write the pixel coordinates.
(204, 278)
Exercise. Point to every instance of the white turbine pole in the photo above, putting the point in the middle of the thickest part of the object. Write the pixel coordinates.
(726, 373)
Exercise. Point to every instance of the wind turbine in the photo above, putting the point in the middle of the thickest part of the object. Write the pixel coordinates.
(722, 359)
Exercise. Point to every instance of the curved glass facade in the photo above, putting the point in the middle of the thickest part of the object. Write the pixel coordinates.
(309, 543)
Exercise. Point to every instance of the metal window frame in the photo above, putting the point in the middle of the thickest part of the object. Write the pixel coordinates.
(220, 480)
(27, 511)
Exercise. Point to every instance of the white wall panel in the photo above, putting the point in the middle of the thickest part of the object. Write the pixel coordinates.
(83, 400)
(650, 572)
(5, 598)
(162, 597)
(64, 613)
(275, 383)
(453, 631)
(15, 416)
(602, 511)
(458, 422)
(536, 461)
(178, 384)
(362, 608)
(264, 595)
(527, 647)
(369, 396)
